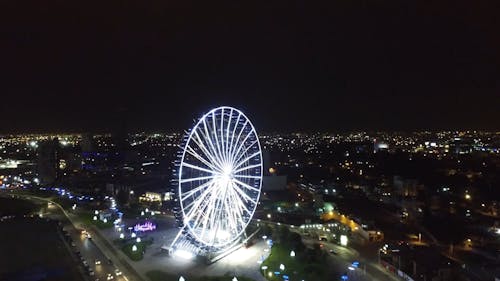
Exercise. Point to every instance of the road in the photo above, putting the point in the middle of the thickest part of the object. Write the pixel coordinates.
(341, 259)
(91, 249)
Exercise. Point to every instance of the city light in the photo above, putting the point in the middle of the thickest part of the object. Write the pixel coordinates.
(343, 240)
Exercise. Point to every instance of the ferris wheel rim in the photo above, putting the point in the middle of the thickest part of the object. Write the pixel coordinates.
(257, 152)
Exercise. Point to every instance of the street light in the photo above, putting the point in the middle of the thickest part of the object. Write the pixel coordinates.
(182, 279)
(122, 235)
(292, 254)
(138, 240)
(134, 248)
(282, 267)
(235, 279)
(134, 235)
(95, 218)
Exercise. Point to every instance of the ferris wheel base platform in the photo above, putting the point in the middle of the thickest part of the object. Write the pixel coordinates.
(183, 246)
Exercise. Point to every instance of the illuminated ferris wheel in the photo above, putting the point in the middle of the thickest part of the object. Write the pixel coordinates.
(219, 177)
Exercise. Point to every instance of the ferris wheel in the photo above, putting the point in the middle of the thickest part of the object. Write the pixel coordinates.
(219, 177)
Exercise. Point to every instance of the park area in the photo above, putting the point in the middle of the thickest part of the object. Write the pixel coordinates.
(290, 259)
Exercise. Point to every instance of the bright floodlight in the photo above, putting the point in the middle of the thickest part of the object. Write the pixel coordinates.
(219, 177)
(184, 254)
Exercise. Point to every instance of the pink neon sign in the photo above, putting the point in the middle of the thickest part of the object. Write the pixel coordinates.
(147, 226)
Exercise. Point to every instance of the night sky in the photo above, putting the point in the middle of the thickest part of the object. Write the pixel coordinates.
(291, 66)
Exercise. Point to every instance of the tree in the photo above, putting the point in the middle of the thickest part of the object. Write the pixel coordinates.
(281, 233)
(295, 243)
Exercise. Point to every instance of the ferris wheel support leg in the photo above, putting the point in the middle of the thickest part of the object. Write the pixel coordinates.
(176, 238)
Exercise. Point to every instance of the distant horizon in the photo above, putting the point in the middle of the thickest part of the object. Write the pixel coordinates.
(259, 131)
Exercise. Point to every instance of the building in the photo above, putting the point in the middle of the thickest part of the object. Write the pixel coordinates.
(48, 161)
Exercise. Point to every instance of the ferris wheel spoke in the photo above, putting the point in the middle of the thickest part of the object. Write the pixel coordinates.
(195, 205)
(198, 206)
(233, 136)
(214, 150)
(196, 189)
(195, 179)
(222, 143)
(194, 167)
(216, 138)
(205, 223)
(243, 142)
(243, 153)
(243, 194)
(246, 159)
(235, 144)
(231, 214)
(202, 212)
(247, 177)
(239, 203)
(200, 198)
(198, 141)
(226, 149)
(195, 154)
(247, 167)
(236, 200)
(238, 182)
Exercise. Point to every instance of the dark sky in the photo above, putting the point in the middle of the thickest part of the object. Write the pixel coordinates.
(290, 65)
